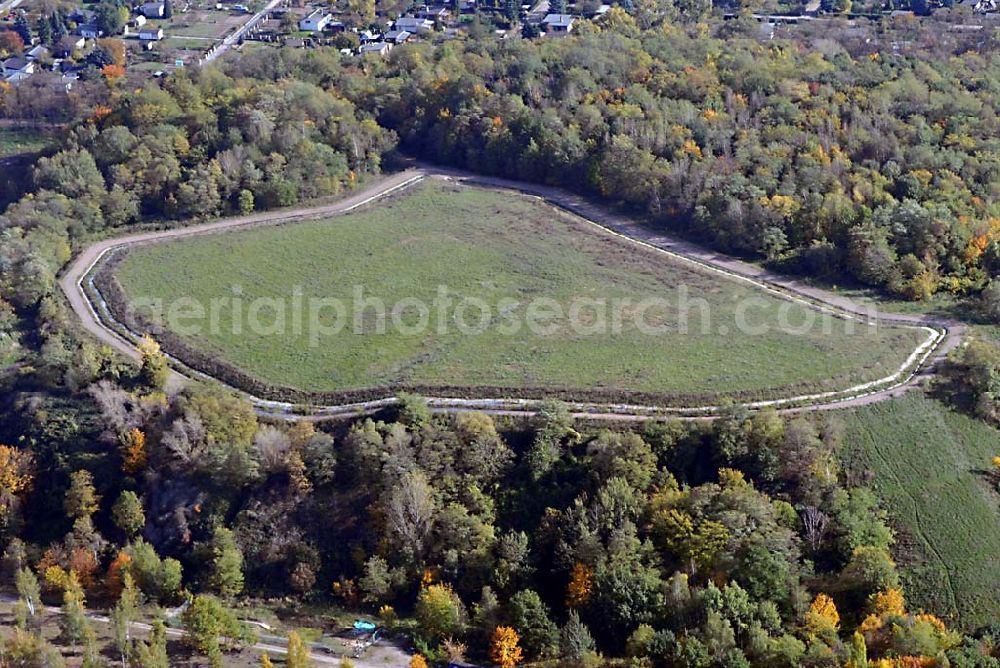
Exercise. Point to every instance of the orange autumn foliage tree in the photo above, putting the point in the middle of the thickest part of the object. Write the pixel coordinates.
(114, 581)
(505, 650)
(83, 562)
(418, 661)
(581, 581)
(132, 448)
(100, 111)
(113, 72)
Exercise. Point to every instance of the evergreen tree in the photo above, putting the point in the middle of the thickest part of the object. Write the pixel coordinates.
(575, 640)
(512, 10)
(23, 28)
(44, 30)
(58, 25)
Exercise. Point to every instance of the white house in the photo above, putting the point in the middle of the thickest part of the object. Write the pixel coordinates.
(315, 21)
(150, 33)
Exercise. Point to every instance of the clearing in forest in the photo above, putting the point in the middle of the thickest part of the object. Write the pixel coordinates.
(488, 293)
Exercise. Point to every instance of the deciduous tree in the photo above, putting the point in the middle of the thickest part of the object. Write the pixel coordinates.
(505, 650)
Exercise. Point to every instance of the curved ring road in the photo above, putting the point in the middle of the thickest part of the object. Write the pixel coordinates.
(943, 335)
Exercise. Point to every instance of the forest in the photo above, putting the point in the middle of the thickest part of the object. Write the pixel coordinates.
(740, 542)
(732, 543)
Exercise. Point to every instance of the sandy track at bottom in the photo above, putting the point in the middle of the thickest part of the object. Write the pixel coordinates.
(951, 331)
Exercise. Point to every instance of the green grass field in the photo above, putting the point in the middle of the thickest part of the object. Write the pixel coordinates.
(495, 246)
(930, 470)
(17, 141)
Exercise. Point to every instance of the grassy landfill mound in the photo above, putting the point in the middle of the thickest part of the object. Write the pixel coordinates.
(499, 246)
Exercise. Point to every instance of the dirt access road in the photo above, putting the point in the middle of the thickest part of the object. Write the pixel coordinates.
(943, 335)
(380, 655)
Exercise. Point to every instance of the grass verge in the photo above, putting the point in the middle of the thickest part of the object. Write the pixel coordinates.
(930, 469)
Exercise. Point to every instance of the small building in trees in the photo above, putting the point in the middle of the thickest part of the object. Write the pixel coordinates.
(150, 33)
(397, 36)
(436, 13)
(153, 10)
(558, 24)
(37, 52)
(89, 31)
(413, 25)
(376, 48)
(17, 69)
(315, 21)
(68, 45)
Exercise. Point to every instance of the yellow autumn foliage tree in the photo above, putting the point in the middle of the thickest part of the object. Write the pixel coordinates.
(15, 470)
(904, 662)
(298, 654)
(132, 448)
(822, 617)
(889, 603)
(505, 650)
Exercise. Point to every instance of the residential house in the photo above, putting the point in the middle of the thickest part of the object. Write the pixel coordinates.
(433, 14)
(37, 52)
(413, 25)
(153, 10)
(68, 44)
(89, 31)
(377, 48)
(138, 21)
(17, 69)
(558, 24)
(316, 20)
(150, 33)
(81, 16)
(397, 36)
